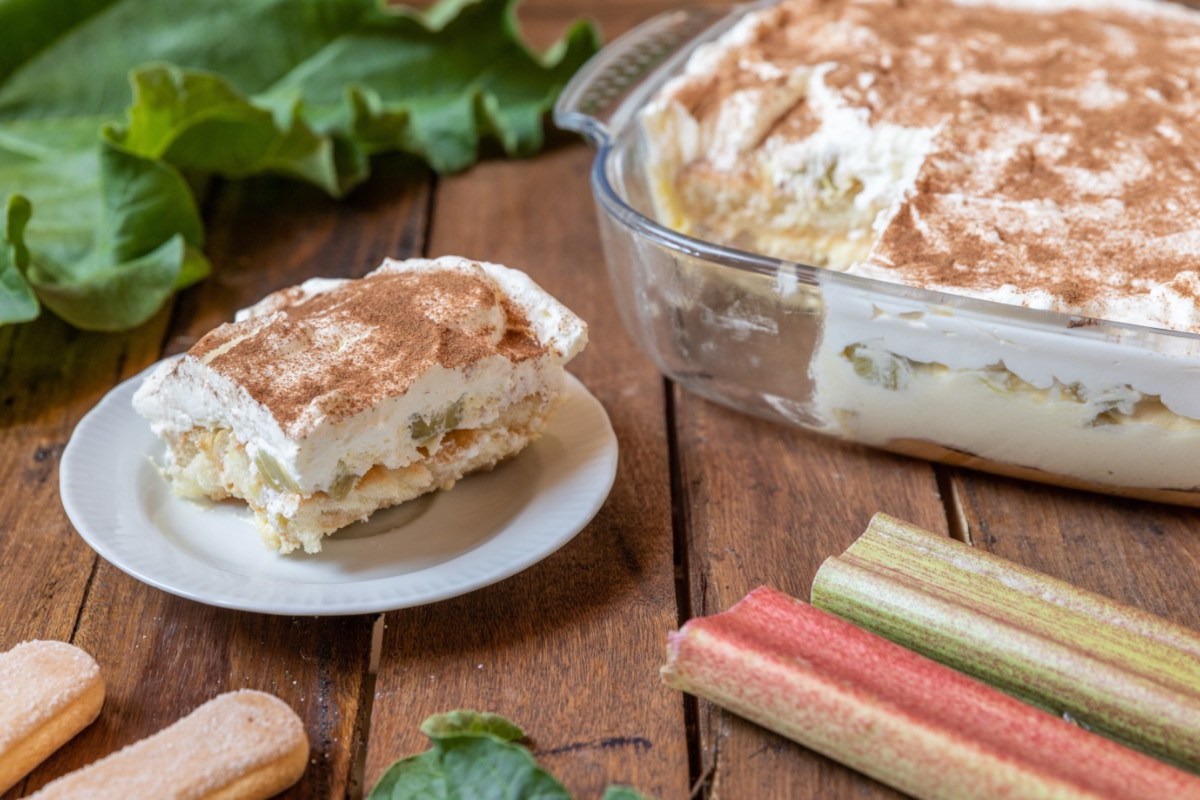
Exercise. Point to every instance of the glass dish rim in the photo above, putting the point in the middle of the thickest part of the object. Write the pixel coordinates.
(617, 208)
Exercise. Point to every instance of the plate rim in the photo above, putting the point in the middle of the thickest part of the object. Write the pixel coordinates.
(606, 455)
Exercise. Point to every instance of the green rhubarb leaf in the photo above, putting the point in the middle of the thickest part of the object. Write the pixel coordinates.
(494, 87)
(106, 255)
(475, 755)
(106, 104)
(122, 295)
(18, 303)
(623, 793)
(198, 121)
(27, 28)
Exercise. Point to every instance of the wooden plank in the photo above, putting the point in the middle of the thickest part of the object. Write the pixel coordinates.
(51, 375)
(571, 647)
(269, 234)
(162, 655)
(765, 504)
(545, 19)
(1143, 554)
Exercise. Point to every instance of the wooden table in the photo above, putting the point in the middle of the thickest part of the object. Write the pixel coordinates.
(707, 505)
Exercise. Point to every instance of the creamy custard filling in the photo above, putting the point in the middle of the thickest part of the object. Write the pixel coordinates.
(888, 401)
(1007, 392)
(1120, 404)
(210, 463)
(819, 199)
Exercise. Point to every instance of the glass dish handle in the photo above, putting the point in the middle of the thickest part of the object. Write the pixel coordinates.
(589, 101)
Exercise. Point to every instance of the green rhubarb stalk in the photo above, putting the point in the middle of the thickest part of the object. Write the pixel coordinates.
(895, 715)
(1114, 669)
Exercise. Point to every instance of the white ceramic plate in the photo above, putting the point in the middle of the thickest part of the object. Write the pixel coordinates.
(488, 527)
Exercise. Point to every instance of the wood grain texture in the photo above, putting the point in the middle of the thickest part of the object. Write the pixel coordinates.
(570, 648)
(1143, 554)
(162, 656)
(270, 234)
(764, 504)
(51, 376)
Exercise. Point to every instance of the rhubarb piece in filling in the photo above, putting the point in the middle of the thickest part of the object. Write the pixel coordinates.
(335, 398)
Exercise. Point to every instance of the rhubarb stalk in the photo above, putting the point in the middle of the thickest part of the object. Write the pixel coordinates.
(1114, 669)
(895, 715)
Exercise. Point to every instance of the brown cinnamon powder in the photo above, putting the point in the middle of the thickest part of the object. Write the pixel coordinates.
(1067, 153)
(341, 352)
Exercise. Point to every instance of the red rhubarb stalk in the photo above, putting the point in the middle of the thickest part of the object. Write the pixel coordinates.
(895, 715)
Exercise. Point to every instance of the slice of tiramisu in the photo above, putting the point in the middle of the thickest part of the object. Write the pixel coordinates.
(335, 398)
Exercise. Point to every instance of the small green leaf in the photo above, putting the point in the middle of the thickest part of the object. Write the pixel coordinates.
(623, 793)
(137, 246)
(418, 777)
(476, 766)
(473, 756)
(484, 768)
(468, 722)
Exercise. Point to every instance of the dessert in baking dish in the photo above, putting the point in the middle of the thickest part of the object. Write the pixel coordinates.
(1042, 155)
(335, 398)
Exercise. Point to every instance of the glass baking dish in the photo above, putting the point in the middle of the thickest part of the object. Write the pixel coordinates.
(1074, 401)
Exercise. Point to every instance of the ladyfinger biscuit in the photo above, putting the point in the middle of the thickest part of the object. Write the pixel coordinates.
(49, 691)
(244, 745)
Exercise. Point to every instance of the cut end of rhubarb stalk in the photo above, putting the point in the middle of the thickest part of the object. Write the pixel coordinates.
(667, 671)
(902, 718)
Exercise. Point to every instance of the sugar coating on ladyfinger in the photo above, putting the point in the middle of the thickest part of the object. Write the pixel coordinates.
(49, 691)
(244, 745)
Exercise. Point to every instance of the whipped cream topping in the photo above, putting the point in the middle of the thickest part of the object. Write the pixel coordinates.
(326, 377)
(1038, 154)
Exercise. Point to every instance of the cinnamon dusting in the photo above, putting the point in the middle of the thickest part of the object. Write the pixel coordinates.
(1066, 155)
(341, 352)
